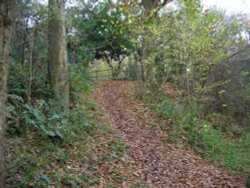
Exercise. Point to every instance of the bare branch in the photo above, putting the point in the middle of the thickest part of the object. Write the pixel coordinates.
(165, 2)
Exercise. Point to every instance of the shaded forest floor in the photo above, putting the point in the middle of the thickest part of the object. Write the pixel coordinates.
(114, 141)
(156, 163)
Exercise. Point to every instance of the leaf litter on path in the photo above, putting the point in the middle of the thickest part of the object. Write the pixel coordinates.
(157, 163)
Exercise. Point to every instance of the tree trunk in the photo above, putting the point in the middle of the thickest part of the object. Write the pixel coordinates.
(6, 22)
(58, 69)
(31, 48)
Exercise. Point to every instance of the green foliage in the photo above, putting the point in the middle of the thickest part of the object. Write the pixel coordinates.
(132, 71)
(184, 47)
(79, 79)
(207, 140)
(100, 32)
(38, 162)
(169, 109)
(39, 117)
(19, 78)
(219, 149)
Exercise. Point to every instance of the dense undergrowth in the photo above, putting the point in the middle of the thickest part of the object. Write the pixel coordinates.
(75, 162)
(47, 149)
(206, 135)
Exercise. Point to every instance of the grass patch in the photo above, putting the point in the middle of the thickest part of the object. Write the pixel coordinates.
(205, 138)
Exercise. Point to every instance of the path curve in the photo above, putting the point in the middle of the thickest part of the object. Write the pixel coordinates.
(157, 163)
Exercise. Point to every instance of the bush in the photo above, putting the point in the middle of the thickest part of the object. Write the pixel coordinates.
(169, 109)
(39, 117)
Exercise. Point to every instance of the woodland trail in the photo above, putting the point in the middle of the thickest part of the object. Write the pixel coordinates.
(158, 164)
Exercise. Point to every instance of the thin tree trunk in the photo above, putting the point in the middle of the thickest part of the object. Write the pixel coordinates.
(130, 66)
(31, 66)
(58, 69)
(144, 58)
(135, 62)
(6, 22)
(142, 68)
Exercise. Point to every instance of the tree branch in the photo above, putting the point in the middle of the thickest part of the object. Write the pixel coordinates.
(165, 2)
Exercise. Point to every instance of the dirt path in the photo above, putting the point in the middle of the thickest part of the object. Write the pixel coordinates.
(157, 163)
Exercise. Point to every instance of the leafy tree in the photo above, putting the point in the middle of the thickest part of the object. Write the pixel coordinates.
(104, 30)
(186, 45)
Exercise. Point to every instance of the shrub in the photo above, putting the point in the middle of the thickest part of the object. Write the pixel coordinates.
(39, 117)
(169, 109)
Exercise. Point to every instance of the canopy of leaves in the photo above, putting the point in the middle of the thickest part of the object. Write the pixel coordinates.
(103, 29)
